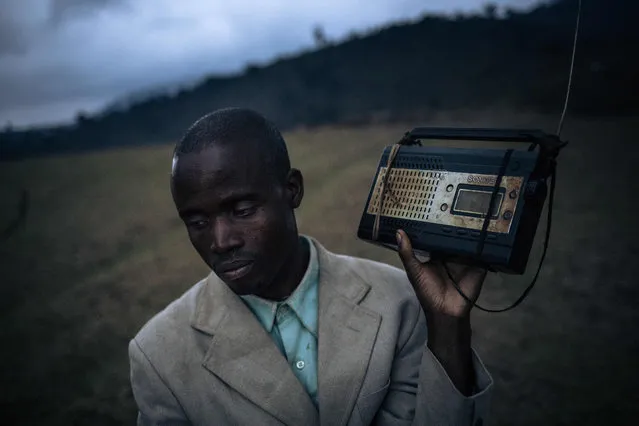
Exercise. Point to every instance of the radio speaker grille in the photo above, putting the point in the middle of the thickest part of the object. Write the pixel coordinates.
(409, 193)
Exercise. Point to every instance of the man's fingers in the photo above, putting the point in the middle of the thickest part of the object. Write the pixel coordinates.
(410, 262)
(468, 278)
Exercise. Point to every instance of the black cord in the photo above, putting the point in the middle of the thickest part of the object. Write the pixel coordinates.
(491, 204)
(553, 177)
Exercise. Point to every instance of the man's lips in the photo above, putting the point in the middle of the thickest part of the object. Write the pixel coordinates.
(235, 269)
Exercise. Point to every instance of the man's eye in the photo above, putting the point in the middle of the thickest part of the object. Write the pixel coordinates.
(245, 212)
(198, 224)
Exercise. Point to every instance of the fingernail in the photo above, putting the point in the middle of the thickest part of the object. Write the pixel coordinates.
(399, 237)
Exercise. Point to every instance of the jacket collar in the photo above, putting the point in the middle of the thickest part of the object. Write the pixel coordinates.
(243, 355)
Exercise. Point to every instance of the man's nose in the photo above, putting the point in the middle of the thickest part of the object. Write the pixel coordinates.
(224, 237)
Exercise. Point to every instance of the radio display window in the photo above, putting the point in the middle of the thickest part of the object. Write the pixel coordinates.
(476, 202)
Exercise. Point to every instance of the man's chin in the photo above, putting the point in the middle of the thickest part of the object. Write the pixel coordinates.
(246, 283)
(242, 287)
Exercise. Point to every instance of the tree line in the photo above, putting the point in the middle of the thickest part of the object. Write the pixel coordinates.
(513, 59)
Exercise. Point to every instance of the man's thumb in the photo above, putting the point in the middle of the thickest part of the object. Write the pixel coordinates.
(405, 249)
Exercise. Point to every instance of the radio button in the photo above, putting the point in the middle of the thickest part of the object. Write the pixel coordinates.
(489, 236)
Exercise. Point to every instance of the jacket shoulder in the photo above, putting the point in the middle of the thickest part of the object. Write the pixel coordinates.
(392, 296)
(387, 281)
(166, 328)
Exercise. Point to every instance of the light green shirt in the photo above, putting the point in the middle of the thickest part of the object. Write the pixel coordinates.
(292, 324)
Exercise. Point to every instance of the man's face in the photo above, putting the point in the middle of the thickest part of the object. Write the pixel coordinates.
(238, 217)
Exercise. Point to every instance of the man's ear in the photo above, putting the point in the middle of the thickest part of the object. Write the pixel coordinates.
(295, 187)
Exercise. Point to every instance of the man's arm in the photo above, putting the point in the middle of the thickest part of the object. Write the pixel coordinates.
(156, 403)
(453, 386)
(449, 341)
(422, 393)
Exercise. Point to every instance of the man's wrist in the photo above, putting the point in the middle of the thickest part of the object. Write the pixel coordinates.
(449, 340)
(448, 329)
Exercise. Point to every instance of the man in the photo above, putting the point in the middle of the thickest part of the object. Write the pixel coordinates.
(285, 332)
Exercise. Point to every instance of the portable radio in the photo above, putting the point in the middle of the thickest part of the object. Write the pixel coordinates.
(474, 206)
(442, 196)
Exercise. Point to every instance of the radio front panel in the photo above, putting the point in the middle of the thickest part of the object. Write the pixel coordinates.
(446, 198)
(441, 196)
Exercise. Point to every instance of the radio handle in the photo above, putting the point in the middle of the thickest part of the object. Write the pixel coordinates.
(479, 134)
(549, 144)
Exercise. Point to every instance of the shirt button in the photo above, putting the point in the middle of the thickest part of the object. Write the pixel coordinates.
(300, 364)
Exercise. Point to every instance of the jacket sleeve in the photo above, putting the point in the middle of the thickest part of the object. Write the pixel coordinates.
(156, 403)
(422, 394)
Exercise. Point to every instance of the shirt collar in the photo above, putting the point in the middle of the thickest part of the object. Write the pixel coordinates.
(303, 301)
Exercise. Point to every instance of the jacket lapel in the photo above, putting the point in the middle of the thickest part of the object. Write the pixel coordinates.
(244, 356)
(347, 333)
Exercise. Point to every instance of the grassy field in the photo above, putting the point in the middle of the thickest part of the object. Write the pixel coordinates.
(102, 251)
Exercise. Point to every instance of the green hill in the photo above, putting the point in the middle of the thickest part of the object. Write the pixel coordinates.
(520, 61)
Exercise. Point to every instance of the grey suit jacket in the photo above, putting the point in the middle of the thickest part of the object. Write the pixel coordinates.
(206, 360)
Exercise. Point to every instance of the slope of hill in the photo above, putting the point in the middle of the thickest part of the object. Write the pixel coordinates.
(102, 250)
(520, 61)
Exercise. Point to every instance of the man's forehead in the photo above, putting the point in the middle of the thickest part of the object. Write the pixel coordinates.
(219, 166)
(214, 157)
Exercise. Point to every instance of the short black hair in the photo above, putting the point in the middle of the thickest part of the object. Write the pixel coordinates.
(237, 126)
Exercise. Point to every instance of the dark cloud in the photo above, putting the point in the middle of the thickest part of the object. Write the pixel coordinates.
(12, 37)
(24, 22)
(16, 26)
(62, 10)
(58, 56)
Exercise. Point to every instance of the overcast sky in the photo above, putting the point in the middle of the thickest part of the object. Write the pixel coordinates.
(61, 56)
